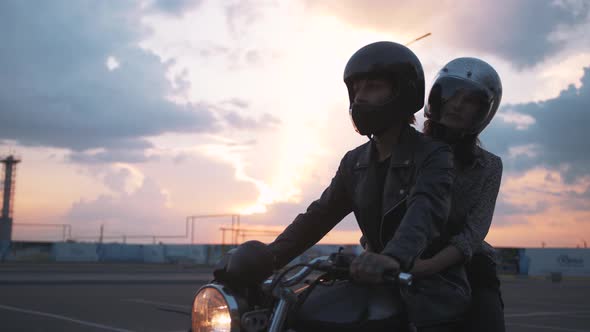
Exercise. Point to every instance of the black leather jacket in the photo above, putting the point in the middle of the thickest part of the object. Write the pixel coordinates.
(411, 223)
(414, 209)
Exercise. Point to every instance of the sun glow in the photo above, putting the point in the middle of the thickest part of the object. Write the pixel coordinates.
(312, 84)
(298, 79)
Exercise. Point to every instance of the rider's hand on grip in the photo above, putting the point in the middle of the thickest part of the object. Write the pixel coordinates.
(371, 267)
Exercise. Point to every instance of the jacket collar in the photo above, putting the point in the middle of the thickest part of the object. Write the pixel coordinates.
(401, 153)
(480, 160)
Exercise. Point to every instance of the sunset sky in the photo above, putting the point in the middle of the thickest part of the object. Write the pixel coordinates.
(135, 114)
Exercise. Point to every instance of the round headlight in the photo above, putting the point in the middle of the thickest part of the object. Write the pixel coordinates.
(212, 312)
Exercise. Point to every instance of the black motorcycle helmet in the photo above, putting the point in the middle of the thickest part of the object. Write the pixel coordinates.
(391, 61)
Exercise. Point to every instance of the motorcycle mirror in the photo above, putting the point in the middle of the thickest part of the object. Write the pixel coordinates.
(219, 272)
(250, 264)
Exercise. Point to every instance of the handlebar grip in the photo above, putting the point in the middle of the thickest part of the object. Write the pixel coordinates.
(405, 279)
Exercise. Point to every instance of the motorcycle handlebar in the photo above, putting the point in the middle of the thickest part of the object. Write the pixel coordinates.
(323, 263)
(305, 271)
(405, 279)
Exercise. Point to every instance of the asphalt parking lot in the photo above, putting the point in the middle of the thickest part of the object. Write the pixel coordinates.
(120, 298)
(540, 305)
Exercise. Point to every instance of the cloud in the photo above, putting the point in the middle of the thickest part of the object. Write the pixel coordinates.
(241, 14)
(277, 214)
(239, 121)
(122, 178)
(111, 156)
(174, 7)
(522, 32)
(557, 138)
(546, 181)
(144, 210)
(528, 150)
(237, 102)
(235, 57)
(541, 196)
(112, 63)
(253, 57)
(210, 49)
(522, 121)
(231, 113)
(505, 208)
(579, 201)
(119, 178)
(280, 215)
(56, 89)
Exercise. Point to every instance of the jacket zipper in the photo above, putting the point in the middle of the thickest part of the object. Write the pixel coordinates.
(383, 219)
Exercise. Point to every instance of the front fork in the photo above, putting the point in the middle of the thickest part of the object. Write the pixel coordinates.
(286, 299)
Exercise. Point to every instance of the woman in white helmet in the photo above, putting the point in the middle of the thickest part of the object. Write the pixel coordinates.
(463, 100)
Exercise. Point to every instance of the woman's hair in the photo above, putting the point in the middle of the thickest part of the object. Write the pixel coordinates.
(463, 147)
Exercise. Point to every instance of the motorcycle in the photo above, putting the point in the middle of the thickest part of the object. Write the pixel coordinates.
(320, 296)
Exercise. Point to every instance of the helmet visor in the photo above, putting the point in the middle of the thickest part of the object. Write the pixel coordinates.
(459, 104)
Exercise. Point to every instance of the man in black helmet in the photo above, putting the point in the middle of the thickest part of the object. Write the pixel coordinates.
(397, 185)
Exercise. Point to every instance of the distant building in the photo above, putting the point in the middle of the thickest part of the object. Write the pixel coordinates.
(8, 186)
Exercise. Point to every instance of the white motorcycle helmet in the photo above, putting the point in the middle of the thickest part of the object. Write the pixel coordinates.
(465, 95)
